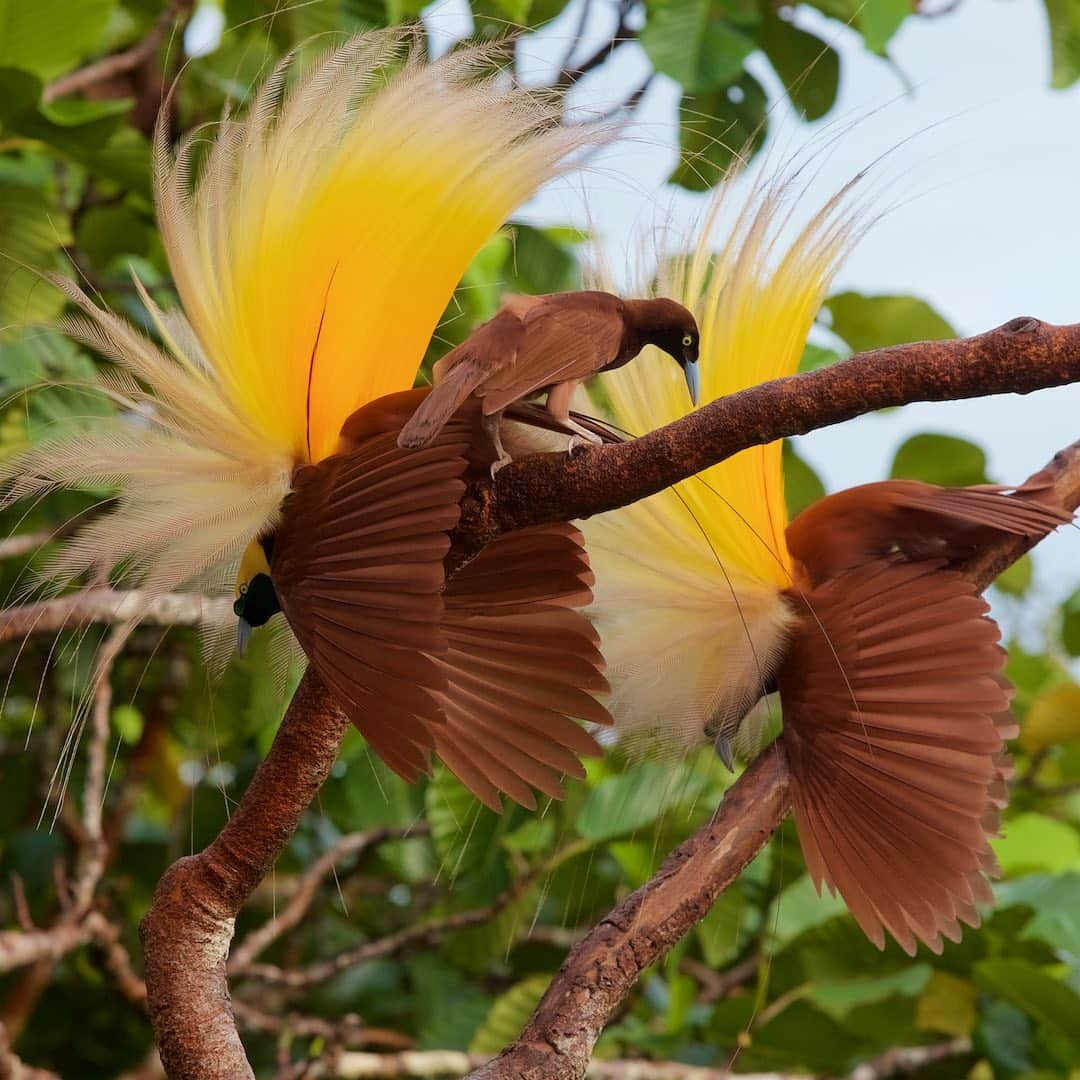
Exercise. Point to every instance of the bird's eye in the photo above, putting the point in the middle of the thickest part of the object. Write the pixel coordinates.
(243, 590)
(688, 339)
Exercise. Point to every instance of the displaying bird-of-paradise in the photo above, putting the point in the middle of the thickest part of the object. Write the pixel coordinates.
(315, 244)
(888, 667)
(550, 344)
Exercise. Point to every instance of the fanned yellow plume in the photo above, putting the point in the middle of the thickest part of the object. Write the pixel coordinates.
(314, 249)
(688, 582)
(329, 229)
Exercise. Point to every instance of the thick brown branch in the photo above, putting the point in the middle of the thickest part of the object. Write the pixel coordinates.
(1019, 357)
(186, 933)
(602, 969)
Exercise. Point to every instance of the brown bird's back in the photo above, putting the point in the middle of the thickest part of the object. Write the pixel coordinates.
(490, 670)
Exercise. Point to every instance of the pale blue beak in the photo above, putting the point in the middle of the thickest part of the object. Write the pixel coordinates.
(693, 380)
(243, 635)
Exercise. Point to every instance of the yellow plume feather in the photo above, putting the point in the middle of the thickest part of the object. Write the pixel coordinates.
(689, 580)
(314, 252)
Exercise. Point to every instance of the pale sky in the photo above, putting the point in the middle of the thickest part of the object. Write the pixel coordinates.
(986, 227)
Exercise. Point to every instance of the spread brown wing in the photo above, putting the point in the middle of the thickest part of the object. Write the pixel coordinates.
(521, 662)
(567, 336)
(357, 565)
(919, 520)
(894, 724)
(490, 348)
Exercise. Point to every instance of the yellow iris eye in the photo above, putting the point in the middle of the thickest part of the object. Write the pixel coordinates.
(243, 589)
(687, 339)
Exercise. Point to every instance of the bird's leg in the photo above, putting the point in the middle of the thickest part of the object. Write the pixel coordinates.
(558, 404)
(491, 429)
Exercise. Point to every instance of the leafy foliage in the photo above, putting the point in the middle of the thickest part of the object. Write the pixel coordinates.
(804, 991)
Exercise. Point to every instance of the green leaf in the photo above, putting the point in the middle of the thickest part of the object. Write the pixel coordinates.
(1070, 624)
(463, 830)
(1056, 904)
(799, 908)
(940, 459)
(880, 19)
(534, 835)
(636, 798)
(19, 90)
(947, 1005)
(726, 928)
(802, 486)
(541, 262)
(32, 231)
(872, 322)
(1035, 843)
(1064, 17)
(1046, 1000)
(1004, 1036)
(808, 68)
(1053, 718)
(838, 997)
(815, 356)
(1015, 580)
(508, 1015)
(51, 38)
(694, 43)
(127, 721)
(719, 130)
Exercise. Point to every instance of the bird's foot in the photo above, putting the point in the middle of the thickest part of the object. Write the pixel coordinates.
(500, 463)
(584, 437)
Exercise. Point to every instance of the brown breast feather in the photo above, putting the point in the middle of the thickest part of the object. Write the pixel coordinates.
(489, 674)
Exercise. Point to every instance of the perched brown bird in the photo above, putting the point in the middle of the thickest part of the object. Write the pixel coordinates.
(486, 671)
(549, 344)
(888, 666)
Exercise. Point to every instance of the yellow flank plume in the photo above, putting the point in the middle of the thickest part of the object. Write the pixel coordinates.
(327, 231)
(755, 303)
(314, 252)
(688, 583)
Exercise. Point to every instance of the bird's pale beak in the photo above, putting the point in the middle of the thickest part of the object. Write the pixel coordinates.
(693, 379)
(243, 635)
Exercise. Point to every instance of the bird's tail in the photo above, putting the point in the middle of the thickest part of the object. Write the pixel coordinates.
(520, 665)
(895, 718)
(437, 408)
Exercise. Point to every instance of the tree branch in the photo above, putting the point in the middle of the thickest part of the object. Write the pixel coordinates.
(187, 931)
(602, 968)
(1019, 357)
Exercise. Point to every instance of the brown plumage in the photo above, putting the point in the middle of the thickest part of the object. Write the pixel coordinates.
(549, 344)
(895, 708)
(488, 670)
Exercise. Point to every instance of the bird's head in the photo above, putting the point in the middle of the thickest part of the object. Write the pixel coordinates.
(671, 327)
(256, 599)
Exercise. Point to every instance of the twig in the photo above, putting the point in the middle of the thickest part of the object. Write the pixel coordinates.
(345, 1030)
(421, 934)
(906, 1059)
(434, 1063)
(102, 71)
(622, 33)
(307, 889)
(11, 1068)
(93, 850)
(110, 607)
(601, 970)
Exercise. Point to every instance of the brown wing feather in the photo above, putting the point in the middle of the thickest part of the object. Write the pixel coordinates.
(357, 564)
(490, 348)
(895, 716)
(566, 336)
(521, 661)
(919, 520)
